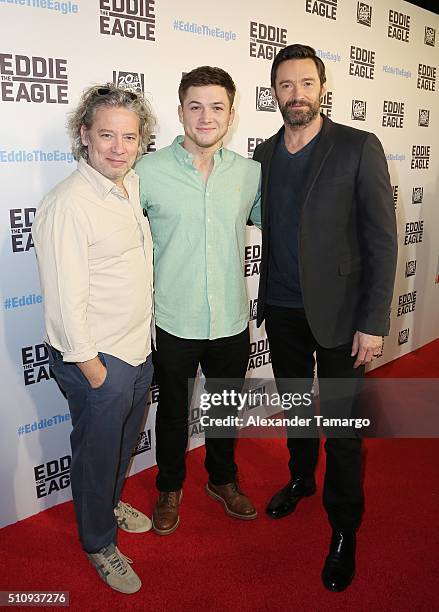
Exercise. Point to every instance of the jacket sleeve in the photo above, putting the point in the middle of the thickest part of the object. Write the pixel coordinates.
(378, 236)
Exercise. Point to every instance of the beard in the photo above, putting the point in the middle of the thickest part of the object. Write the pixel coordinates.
(299, 118)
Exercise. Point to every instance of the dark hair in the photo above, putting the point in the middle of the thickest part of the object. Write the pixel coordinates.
(207, 75)
(297, 52)
(108, 95)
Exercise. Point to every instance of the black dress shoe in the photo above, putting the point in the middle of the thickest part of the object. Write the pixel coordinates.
(284, 502)
(339, 568)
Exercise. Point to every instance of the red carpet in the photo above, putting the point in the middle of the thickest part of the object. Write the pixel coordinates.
(216, 563)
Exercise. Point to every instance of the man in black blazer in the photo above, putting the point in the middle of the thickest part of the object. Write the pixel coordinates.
(329, 252)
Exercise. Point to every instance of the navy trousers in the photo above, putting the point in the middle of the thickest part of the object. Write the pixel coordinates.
(106, 423)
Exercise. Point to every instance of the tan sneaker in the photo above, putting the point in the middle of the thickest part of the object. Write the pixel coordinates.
(131, 520)
(165, 518)
(114, 569)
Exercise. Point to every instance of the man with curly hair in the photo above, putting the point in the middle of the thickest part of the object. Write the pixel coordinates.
(94, 253)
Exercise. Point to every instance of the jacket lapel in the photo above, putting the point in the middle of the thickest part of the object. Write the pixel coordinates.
(318, 158)
(268, 155)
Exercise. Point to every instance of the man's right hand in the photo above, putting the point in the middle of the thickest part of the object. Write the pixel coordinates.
(94, 371)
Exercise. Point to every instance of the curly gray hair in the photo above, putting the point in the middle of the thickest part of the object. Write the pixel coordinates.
(108, 95)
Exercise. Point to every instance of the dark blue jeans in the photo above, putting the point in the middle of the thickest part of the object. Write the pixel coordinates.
(106, 423)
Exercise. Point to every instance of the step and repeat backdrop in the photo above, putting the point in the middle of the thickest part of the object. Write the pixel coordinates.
(382, 61)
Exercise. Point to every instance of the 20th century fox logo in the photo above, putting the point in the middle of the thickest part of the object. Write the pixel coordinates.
(143, 443)
(33, 79)
(52, 476)
(430, 36)
(128, 18)
(358, 110)
(253, 309)
(21, 220)
(132, 81)
(364, 14)
(266, 40)
(265, 100)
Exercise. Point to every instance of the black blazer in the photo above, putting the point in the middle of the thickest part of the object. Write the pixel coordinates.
(347, 241)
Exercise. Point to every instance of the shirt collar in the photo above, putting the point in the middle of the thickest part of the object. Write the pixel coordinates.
(184, 157)
(99, 182)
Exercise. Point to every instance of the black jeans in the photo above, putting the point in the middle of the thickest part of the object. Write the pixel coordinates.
(292, 345)
(176, 362)
(106, 424)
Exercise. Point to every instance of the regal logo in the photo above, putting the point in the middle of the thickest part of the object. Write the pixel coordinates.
(132, 81)
(33, 79)
(35, 361)
(265, 100)
(417, 195)
(21, 220)
(393, 114)
(399, 26)
(420, 157)
(426, 77)
(326, 104)
(395, 191)
(143, 443)
(252, 260)
(364, 14)
(424, 117)
(358, 110)
(252, 143)
(430, 36)
(52, 476)
(410, 268)
(403, 336)
(259, 354)
(362, 62)
(414, 232)
(266, 40)
(128, 18)
(323, 8)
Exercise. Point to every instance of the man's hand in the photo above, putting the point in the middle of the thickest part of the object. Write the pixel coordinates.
(94, 371)
(366, 348)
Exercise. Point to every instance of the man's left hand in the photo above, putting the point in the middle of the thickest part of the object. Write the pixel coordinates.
(366, 348)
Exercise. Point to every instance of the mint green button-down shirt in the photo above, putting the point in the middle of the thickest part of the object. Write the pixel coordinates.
(198, 232)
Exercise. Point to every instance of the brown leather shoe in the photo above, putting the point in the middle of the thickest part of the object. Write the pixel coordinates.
(165, 517)
(235, 503)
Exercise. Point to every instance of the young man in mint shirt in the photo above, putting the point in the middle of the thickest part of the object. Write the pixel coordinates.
(198, 197)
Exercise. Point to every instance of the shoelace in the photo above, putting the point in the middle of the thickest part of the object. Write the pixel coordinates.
(171, 498)
(236, 488)
(127, 509)
(118, 562)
